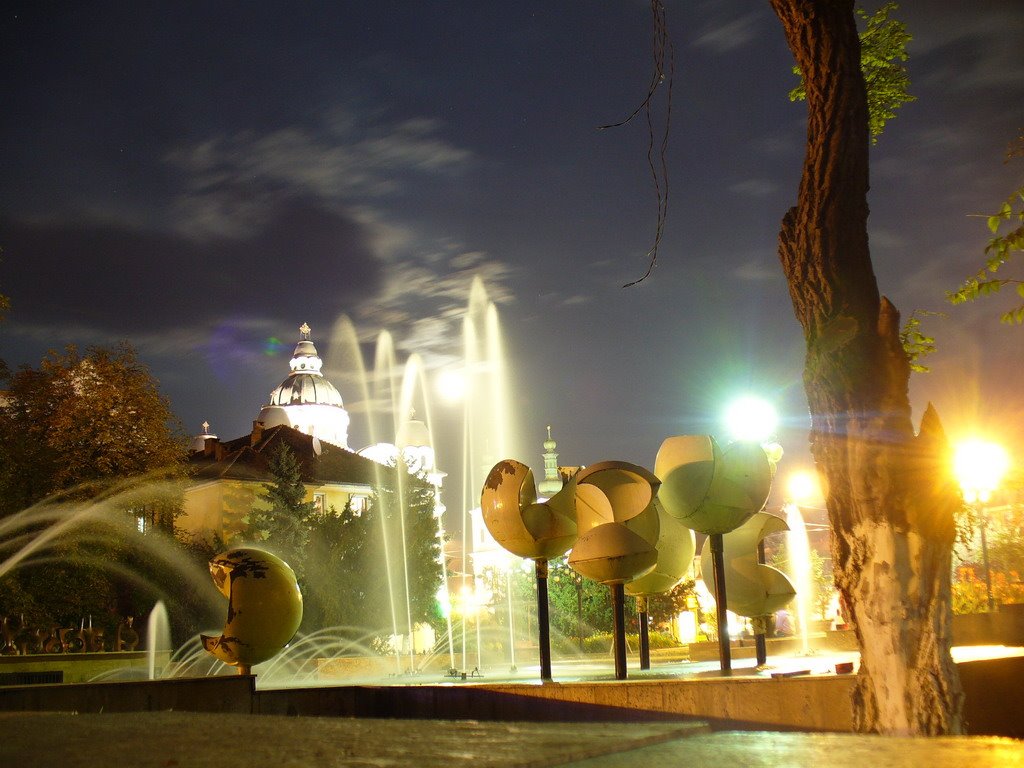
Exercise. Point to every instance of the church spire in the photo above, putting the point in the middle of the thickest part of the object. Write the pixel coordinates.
(552, 482)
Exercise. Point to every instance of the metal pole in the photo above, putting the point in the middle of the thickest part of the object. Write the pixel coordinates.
(760, 622)
(543, 629)
(645, 640)
(718, 561)
(619, 627)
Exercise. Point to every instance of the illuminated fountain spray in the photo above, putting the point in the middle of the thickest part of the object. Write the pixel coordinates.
(487, 433)
(158, 637)
(394, 397)
(799, 550)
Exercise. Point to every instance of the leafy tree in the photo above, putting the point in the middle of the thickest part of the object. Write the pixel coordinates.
(79, 421)
(883, 46)
(1007, 228)
(891, 501)
(87, 434)
(284, 522)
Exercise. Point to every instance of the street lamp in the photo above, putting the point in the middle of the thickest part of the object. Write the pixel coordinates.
(979, 466)
(751, 418)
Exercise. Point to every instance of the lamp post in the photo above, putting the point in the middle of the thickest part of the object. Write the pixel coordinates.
(747, 418)
(979, 466)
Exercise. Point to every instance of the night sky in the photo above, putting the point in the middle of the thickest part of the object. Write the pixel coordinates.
(202, 178)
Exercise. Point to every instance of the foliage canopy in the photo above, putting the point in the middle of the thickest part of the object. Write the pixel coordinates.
(883, 49)
(1007, 228)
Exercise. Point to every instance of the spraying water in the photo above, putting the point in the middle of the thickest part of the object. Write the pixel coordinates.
(799, 549)
(158, 637)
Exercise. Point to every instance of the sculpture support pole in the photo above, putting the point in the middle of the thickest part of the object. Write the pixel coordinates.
(718, 561)
(619, 627)
(645, 640)
(543, 629)
(761, 622)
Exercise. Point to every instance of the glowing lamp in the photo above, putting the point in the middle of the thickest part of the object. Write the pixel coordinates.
(979, 466)
(751, 418)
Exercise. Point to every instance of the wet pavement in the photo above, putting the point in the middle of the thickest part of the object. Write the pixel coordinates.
(179, 739)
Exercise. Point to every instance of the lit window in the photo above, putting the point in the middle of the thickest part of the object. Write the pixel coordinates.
(319, 503)
(358, 504)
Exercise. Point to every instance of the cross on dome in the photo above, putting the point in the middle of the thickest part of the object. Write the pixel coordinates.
(304, 329)
(206, 427)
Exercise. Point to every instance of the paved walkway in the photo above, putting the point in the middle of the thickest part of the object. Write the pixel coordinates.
(188, 740)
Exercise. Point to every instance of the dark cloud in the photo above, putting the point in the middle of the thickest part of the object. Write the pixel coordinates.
(110, 277)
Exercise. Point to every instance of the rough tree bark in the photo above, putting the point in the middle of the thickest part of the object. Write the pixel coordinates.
(889, 496)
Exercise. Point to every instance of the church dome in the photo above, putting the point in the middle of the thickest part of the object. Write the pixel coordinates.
(306, 388)
(306, 400)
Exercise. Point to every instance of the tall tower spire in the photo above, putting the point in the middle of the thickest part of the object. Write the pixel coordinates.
(552, 482)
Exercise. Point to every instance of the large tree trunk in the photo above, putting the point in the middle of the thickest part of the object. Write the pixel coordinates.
(889, 497)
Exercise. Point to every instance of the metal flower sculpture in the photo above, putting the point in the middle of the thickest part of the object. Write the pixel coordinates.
(264, 607)
(618, 519)
(618, 522)
(709, 489)
(714, 491)
(531, 529)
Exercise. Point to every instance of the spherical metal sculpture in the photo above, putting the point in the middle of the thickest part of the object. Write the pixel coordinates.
(709, 489)
(618, 522)
(264, 606)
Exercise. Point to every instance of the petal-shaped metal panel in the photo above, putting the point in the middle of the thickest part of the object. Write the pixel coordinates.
(519, 523)
(752, 588)
(629, 488)
(686, 465)
(612, 554)
(676, 546)
(264, 606)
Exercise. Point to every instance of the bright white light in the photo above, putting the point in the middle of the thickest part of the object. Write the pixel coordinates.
(451, 385)
(803, 486)
(979, 466)
(751, 418)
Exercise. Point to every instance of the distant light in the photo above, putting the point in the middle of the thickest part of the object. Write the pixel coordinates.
(979, 466)
(803, 486)
(751, 418)
(451, 385)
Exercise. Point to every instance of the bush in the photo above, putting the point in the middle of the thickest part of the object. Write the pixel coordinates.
(602, 642)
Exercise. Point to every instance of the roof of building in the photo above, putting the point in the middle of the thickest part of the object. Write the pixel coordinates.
(248, 458)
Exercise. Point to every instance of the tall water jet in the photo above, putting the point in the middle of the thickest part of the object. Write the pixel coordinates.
(487, 428)
(158, 637)
(798, 550)
(346, 340)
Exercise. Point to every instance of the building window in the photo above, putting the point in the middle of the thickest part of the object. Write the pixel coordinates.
(319, 503)
(358, 504)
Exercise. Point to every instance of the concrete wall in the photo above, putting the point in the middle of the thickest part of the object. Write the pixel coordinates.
(994, 700)
(1003, 628)
(210, 694)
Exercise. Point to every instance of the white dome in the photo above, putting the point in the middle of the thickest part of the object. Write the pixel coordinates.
(306, 400)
